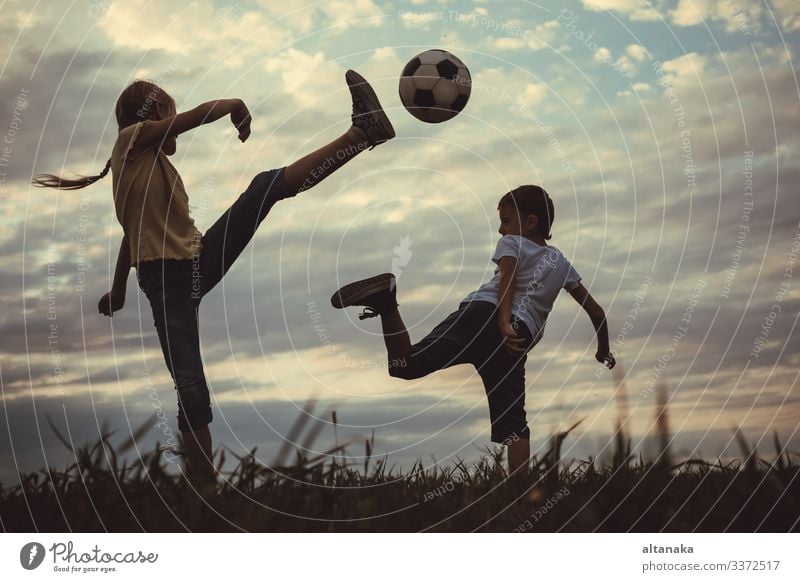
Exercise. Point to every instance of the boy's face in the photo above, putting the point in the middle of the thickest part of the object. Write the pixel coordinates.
(511, 222)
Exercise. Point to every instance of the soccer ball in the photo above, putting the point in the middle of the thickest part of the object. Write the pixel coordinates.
(435, 86)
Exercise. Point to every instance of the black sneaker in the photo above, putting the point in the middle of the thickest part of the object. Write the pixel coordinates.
(368, 116)
(377, 294)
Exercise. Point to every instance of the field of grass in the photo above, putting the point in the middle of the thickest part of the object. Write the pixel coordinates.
(97, 493)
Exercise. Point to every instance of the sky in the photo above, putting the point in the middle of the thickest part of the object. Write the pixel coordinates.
(665, 132)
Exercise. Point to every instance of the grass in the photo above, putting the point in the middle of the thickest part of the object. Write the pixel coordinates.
(326, 493)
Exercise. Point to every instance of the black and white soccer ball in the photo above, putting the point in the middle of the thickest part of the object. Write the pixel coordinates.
(435, 86)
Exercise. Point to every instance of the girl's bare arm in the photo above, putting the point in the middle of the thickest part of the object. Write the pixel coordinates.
(114, 300)
(123, 268)
(153, 132)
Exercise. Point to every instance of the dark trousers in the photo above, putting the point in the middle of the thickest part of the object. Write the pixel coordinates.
(174, 288)
(470, 335)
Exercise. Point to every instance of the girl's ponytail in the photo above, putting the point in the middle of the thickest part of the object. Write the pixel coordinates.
(137, 102)
(52, 181)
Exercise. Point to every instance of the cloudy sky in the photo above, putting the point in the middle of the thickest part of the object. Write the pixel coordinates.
(665, 131)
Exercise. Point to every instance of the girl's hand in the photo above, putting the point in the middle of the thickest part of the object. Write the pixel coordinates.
(240, 117)
(605, 358)
(111, 302)
(513, 343)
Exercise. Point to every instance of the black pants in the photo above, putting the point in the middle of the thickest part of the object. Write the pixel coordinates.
(470, 335)
(174, 288)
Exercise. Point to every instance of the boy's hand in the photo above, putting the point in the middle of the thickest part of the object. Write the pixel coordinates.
(111, 302)
(605, 358)
(241, 120)
(513, 343)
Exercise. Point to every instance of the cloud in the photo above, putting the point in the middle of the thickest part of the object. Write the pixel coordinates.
(735, 17)
(622, 64)
(177, 29)
(67, 122)
(306, 77)
(290, 17)
(633, 9)
(20, 19)
(347, 13)
(418, 19)
(538, 37)
(336, 14)
(534, 94)
(788, 14)
(636, 51)
(228, 36)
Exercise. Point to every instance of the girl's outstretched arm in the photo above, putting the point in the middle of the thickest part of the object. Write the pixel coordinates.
(598, 317)
(153, 132)
(114, 300)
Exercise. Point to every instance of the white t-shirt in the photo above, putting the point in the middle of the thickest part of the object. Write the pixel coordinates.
(542, 271)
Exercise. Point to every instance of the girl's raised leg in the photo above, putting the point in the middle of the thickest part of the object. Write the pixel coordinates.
(318, 165)
(224, 241)
(370, 127)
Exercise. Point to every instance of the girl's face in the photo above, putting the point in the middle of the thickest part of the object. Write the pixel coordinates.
(511, 222)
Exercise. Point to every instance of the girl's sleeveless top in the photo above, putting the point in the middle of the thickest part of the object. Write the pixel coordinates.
(151, 203)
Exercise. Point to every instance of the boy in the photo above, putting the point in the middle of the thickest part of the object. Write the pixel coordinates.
(496, 325)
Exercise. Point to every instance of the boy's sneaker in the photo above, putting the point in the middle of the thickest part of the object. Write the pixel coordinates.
(368, 116)
(377, 294)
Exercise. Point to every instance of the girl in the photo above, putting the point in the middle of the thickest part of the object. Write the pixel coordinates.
(176, 265)
(494, 326)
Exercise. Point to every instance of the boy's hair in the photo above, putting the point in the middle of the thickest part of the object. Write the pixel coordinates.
(137, 102)
(532, 200)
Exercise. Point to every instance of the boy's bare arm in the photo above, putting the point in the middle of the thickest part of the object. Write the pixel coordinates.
(598, 317)
(505, 296)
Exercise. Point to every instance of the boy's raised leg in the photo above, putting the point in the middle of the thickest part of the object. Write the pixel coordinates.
(395, 335)
(378, 295)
